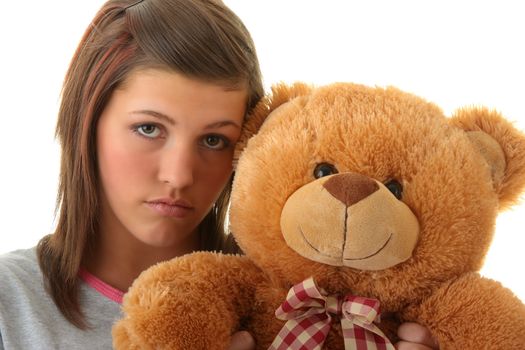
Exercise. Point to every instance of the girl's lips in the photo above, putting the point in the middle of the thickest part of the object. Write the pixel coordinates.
(175, 210)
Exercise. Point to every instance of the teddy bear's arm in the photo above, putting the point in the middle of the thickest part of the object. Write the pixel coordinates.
(193, 302)
(473, 312)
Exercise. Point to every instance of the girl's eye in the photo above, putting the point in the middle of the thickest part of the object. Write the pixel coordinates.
(215, 142)
(148, 130)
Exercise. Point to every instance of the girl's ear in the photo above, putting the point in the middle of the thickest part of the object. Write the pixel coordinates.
(501, 145)
(281, 94)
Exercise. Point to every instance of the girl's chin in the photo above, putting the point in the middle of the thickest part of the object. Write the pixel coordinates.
(163, 238)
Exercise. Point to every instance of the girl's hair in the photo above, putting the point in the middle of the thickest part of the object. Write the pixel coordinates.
(200, 39)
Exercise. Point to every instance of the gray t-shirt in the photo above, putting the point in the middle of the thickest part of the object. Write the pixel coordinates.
(30, 320)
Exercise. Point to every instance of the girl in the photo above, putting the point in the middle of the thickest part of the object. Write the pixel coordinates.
(152, 106)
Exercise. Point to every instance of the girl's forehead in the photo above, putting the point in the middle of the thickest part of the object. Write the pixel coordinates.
(167, 93)
(160, 71)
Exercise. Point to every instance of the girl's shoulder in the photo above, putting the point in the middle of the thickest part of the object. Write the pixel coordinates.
(19, 266)
(20, 257)
(20, 254)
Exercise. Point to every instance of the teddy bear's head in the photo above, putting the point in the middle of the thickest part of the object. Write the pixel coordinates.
(371, 190)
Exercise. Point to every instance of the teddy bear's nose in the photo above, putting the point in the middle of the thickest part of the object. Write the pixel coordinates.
(350, 188)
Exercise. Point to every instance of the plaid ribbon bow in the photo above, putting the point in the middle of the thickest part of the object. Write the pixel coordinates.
(308, 310)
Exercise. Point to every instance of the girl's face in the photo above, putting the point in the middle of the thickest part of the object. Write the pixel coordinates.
(165, 146)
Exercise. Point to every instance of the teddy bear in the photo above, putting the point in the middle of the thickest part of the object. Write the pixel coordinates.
(357, 208)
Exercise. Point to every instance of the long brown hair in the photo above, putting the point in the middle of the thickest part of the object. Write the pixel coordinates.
(200, 39)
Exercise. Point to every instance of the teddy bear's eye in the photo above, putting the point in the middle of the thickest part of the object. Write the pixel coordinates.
(324, 169)
(395, 187)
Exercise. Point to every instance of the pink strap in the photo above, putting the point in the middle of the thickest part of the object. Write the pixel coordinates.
(100, 286)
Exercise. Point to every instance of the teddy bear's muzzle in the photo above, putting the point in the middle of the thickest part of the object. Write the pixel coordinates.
(351, 220)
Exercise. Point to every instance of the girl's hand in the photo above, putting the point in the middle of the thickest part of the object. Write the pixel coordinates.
(415, 337)
(242, 341)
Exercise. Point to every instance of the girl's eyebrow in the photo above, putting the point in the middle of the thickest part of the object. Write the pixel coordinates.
(155, 114)
(162, 116)
(222, 123)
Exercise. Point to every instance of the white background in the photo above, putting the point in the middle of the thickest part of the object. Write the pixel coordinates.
(453, 53)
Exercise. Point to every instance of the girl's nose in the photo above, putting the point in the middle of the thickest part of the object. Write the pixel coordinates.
(177, 166)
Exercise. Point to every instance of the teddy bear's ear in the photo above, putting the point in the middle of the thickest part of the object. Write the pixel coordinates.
(502, 146)
(280, 94)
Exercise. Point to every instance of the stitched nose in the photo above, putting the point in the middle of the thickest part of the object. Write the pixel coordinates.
(350, 188)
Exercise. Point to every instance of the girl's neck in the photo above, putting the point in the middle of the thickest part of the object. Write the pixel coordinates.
(117, 257)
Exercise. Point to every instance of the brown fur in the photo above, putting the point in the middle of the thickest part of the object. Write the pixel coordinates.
(453, 183)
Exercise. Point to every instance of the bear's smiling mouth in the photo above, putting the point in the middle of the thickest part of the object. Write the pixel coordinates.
(339, 257)
(373, 254)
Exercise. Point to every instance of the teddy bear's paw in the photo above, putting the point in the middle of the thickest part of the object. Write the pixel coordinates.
(129, 335)
(123, 337)
(473, 312)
